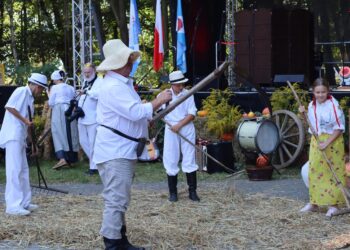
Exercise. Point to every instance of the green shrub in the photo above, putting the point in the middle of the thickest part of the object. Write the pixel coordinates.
(283, 98)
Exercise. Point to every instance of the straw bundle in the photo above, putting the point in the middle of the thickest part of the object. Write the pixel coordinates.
(223, 219)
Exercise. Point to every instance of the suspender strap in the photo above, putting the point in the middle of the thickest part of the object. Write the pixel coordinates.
(121, 134)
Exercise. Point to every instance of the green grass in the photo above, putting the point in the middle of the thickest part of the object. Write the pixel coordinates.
(145, 173)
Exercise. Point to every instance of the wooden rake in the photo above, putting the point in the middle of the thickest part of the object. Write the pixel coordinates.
(344, 191)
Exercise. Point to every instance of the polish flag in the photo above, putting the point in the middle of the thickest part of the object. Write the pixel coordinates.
(158, 52)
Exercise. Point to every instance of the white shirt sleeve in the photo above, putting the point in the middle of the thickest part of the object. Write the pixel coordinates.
(16, 99)
(192, 110)
(127, 106)
(95, 90)
(52, 97)
(340, 117)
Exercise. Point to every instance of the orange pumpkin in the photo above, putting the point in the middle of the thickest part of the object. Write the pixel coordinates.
(262, 161)
(202, 113)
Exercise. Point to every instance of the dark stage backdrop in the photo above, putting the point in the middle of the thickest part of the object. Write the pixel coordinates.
(204, 26)
(5, 93)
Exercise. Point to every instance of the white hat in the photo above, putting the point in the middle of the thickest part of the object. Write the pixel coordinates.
(116, 55)
(177, 77)
(38, 79)
(57, 75)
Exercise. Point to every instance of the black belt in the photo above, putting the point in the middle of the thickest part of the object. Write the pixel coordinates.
(122, 134)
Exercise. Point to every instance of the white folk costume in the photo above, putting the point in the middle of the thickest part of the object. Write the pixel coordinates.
(325, 118)
(60, 96)
(118, 107)
(174, 145)
(87, 125)
(13, 136)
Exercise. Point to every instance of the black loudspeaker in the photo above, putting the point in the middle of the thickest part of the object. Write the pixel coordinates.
(5, 93)
(274, 42)
(223, 152)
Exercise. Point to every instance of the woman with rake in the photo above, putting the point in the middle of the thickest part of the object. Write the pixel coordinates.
(327, 118)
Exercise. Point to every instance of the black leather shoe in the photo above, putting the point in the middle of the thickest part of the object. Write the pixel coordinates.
(91, 172)
(126, 244)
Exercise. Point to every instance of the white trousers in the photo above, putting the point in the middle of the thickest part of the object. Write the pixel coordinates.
(17, 193)
(305, 173)
(87, 134)
(174, 145)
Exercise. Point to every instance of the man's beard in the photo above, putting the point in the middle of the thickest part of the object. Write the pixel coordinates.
(90, 78)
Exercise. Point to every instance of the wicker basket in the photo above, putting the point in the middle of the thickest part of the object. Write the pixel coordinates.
(259, 174)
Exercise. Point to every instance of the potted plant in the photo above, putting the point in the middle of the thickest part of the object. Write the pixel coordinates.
(220, 121)
(222, 117)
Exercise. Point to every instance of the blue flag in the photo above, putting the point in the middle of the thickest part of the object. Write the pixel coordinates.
(134, 31)
(181, 40)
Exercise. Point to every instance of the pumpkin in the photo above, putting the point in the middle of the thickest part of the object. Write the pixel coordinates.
(262, 161)
(202, 113)
(251, 114)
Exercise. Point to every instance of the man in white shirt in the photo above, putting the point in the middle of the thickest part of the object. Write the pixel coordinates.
(13, 137)
(181, 122)
(88, 102)
(121, 118)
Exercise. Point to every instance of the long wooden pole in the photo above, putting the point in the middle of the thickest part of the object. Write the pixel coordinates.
(330, 164)
(208, 79)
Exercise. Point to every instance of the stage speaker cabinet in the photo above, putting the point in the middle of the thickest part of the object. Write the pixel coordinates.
(274, 42)
(5, 93)
(223, 152)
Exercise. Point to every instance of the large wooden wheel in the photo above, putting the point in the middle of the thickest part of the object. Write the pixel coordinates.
(292, 138)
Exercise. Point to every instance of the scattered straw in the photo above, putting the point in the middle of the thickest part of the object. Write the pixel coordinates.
(222, 220)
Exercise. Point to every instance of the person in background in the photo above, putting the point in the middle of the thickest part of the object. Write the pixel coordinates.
(13, 135)
(60, 97)
(327, 118)
(88, 102)
(181, 120)
(122, 119)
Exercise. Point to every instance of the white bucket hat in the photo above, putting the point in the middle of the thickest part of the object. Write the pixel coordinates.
(116, 55)
(177, 77)
(38, 79)
(57, 75)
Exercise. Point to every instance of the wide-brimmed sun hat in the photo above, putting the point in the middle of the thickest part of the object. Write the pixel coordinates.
(57, 75)
(177, 77)
(116, 55)
(38, 79)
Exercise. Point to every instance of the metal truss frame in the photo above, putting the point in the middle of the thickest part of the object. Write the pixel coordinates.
(82, 37)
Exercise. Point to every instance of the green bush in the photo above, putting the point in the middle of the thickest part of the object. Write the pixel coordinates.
(283, 98)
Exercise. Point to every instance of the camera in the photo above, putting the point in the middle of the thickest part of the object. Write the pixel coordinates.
(74, 112)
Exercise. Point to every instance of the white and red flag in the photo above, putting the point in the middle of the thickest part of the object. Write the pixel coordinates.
(158, 52)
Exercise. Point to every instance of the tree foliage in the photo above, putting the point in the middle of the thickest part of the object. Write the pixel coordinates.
(36, 33)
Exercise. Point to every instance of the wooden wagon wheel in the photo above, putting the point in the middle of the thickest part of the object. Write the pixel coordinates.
(292, 138)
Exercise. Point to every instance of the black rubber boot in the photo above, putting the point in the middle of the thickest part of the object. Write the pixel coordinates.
(126, 244)
(192, 186)
(172, 183)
